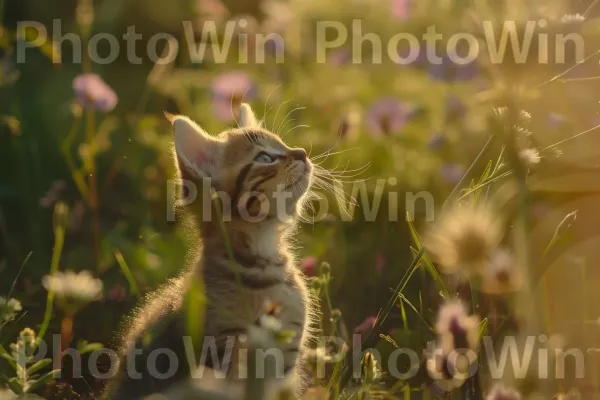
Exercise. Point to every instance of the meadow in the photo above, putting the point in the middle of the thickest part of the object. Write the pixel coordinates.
(457, 226)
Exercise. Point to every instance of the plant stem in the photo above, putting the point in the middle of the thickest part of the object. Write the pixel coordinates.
(59, 240)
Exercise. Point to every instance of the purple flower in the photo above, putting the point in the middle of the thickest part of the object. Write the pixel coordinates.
(93, 92)
(117, 293)
(229, 89)
(339, 57)
(454, 108)
(387, 117)
(365, 326)
(452, 173)
(401, 9)
(436, 142)
(555, 120)
(449, 71)
(54, 194)
(309, 265)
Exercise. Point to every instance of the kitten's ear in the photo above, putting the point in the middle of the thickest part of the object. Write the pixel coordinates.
(196, 150)
(247, 117)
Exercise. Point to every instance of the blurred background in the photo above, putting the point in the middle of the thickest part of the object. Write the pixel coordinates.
(101, 145)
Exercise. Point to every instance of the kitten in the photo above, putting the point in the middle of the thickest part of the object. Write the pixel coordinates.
(237, 162)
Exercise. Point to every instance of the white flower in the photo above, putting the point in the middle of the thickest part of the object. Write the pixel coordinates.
(369, 368)
(501, 274)
(456, 329)
(500, 392)
(530, 156)
(270, 323)
(569, 18)
(464, 237)
(456, 346)
(80, 286)
(9, 308)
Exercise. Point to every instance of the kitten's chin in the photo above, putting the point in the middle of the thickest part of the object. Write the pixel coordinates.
(300, 186)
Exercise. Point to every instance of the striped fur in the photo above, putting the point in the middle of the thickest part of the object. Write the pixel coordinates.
(243, 264)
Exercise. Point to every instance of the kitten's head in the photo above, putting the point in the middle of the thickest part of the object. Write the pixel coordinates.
(249, 167)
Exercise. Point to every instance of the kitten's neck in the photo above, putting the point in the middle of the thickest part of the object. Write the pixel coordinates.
(265, 239)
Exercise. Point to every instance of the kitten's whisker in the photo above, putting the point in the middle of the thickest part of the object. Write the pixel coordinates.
(277, 114)
(295, 127)
(263, 121)
(331, 148)
(282, 125)
(334, 153)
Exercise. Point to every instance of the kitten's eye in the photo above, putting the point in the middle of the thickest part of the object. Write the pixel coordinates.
(264, 158)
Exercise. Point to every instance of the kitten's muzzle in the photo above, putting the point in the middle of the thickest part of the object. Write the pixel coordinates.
(298, 154)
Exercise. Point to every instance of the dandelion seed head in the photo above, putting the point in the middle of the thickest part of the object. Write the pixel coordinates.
(9, 308)
(572, 18)
(530, 156)
(80, 286)
(464, 237)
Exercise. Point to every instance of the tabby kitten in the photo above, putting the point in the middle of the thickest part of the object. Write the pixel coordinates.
(244, 261)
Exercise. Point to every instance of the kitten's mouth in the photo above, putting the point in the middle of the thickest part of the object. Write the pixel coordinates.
(291, 185)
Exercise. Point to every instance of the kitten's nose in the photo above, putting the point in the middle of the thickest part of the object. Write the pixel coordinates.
(298, 154)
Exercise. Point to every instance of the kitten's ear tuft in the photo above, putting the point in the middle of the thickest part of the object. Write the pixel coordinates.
(247, 117)
(196, 150)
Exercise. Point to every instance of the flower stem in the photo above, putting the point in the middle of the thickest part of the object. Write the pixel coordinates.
(59, 240)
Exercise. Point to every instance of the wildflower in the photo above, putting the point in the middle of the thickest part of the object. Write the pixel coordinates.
(436, 142)
(54, 194)
(387, 117)
(336, 315)
(309, 265)
(464, 237)
(25, 345)
(270, 323)
(317, 355)
(529, 156)
(117, 293)
(452, 173)
(369, 368)
(339, 57)
(365, 326)
(449, 71)
(456, 344)
(501, 274)
(228, 91)
(455, 328)
(501, 392)
(9, 308)
(572, 18)
(346, 127)
(73, 290)
(93, 92)
(8, 73)
(454, 108)
(401, 9)
(555, 120)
